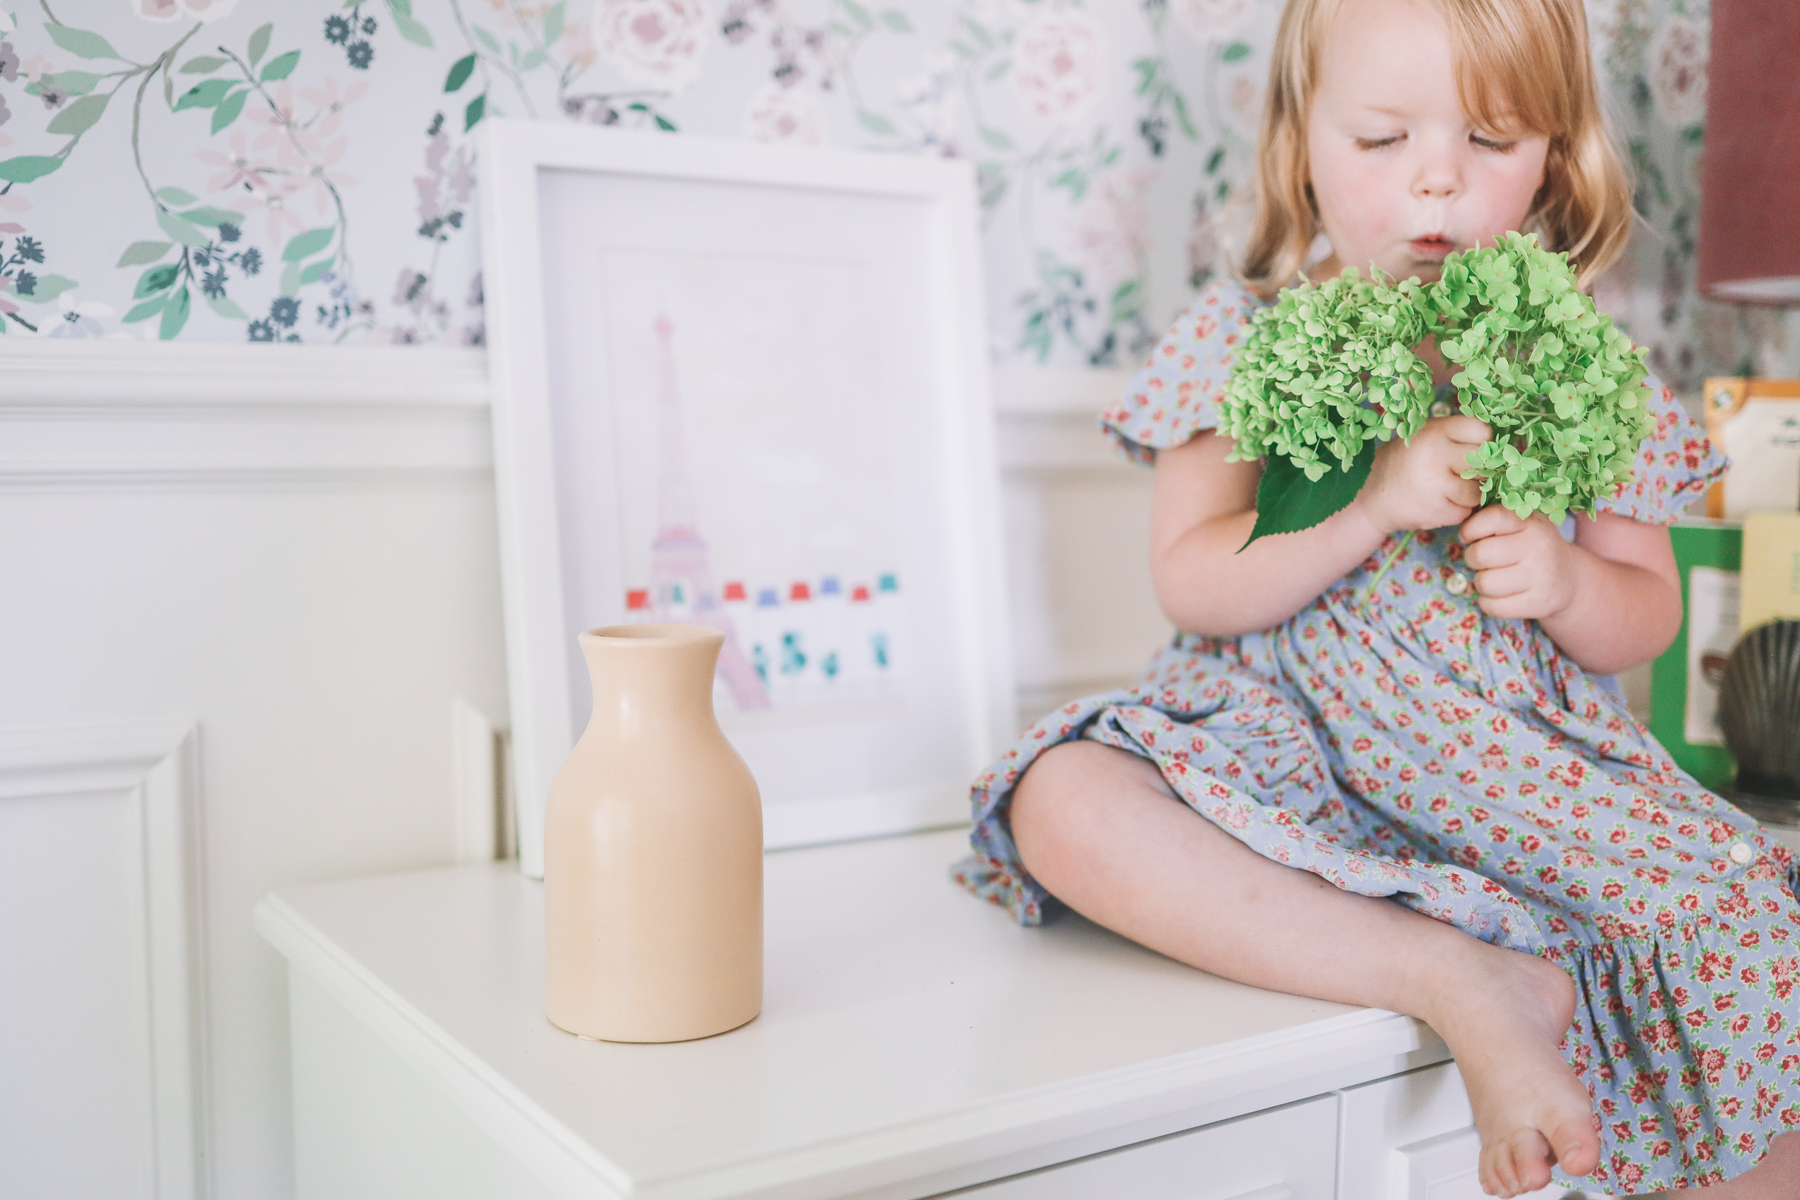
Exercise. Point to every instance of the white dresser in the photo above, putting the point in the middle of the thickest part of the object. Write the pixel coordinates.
(913, 1042)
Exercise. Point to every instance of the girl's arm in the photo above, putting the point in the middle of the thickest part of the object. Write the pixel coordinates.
(1610, 600)
(1203, 508)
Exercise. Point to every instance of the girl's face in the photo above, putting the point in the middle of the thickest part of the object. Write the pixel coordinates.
(1401, 175)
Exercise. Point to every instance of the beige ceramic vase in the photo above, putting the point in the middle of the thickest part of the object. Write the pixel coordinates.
(653, 851)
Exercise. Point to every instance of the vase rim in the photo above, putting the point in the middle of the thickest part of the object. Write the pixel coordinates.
(622, 635)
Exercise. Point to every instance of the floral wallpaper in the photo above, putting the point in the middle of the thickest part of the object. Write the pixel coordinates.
(304, 171)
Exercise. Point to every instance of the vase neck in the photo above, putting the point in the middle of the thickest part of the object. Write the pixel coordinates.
(649, 677)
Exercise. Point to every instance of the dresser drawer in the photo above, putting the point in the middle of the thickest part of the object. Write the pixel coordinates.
(1412, 1137)
(1282, 1154)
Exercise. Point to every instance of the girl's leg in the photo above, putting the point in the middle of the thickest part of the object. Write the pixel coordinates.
(1103, 832)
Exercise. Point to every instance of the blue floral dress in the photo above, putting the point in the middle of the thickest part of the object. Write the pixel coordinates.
(1413, 747)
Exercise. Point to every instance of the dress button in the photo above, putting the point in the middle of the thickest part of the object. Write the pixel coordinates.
(1741, 853)
(1457, 584)
(1442, 408)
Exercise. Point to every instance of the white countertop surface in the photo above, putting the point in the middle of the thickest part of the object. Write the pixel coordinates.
(908, 1032)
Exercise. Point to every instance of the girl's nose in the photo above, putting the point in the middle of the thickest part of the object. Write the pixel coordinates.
(1439, 176)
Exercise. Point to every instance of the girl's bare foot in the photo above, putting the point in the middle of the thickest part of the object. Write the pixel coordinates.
(1504, 1015)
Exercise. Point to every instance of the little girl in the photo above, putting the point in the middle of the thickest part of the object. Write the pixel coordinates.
(1486, 839)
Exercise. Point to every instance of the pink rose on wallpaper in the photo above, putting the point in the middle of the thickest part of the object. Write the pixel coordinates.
(784, 114)
(176, 10)
(1678, 55)
(1060, 57)
(654, 42)
(1211, 20)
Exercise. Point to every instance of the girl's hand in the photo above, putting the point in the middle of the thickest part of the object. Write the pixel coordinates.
(1420, 485)
(1523, 568)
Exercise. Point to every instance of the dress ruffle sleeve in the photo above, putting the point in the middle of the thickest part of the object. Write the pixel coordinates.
(1178, 392)
(1675, 465)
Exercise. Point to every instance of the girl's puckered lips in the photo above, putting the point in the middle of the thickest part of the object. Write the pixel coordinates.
(1432, 246)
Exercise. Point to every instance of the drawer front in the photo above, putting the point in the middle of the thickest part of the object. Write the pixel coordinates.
(1412, 1137)
(1282, 1154)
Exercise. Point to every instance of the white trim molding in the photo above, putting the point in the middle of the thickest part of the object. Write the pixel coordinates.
(155, 765)
(81, 415)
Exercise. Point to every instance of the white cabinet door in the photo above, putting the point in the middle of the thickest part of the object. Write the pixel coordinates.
(1412, 1137)
(1282, 1154)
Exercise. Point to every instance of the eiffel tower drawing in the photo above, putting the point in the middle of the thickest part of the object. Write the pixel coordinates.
(678, 568)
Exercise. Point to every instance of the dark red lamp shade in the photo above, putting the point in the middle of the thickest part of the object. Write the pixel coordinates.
(1750, 169)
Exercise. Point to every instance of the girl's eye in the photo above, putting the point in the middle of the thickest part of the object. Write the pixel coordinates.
(1489, 144)
(1375, 143)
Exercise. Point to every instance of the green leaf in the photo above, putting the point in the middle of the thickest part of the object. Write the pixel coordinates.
(49, 287)
(174, 195)
(460, 70)
(301, 245)
(473, 113)
(995, 138)
(78, 117)
(156, 279)
(229, 110)
(28, 167)
(858, 13)
(536, 58)
(73, 83)
(998, 69)
(259, 43)
(1214, 159)
(316, 271)
(290, 279)
(280, 67)
(408, 25)
(1235, 51)
(553, 23)
(180, 230)
(1694, 135)
(663, 123)
(896, 20)
(226, 307)
(214, 217)
(874, 122)
(143, 252)
(204, 63)
(1287, 502)
(487, 40)
(146, 310)
(79, 42)
(205, 94)
(174, 315)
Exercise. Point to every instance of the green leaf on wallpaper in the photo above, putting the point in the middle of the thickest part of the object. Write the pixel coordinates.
(280, 67)
(259, 43)
(290, 279)
(858, 13)
(1181, 114)
(229, 109)
(1235, 51)
(998, 69)
(1075, 179)
(533, 60)
(962, 49)
(1223, 190)
(175, 315)
(205, 94)
(203, 64)
(49, 287)
(72, 83)
(79, 42)
(982, 37)
(1127, 301)
(27, 167)
(473, 113)
(316, 271)
(156, 279)
(225, 306)
(407, 24)
(841, 29)
(896, 20)
(1214, 159)
(146, 310)
(995, 138)
(553, 23)
(143, 252)
(486, 39)
(1146, 69)
(182, 231)
(1694, 135)
(874, 122)
(301, 245)
(663, 123)
(174, 195)
(214, 217)
(78, 116)
(460, 70)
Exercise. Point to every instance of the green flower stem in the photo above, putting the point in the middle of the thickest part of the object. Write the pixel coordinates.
(1369, 596)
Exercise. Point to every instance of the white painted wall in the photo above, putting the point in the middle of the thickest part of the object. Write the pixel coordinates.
(282, 558)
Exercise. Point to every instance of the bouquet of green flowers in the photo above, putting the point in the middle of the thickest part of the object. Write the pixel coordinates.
(1328, 370)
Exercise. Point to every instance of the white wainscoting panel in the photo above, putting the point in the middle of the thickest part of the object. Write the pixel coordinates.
(101, 1032)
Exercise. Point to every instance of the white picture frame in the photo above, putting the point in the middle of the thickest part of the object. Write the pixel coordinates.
(818, 315)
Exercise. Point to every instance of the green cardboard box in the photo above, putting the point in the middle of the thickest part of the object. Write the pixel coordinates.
(1684, 678)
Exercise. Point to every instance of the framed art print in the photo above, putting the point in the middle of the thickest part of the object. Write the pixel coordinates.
(745, 386)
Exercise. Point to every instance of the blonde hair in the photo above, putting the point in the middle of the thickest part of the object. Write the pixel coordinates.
(1521, 65)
